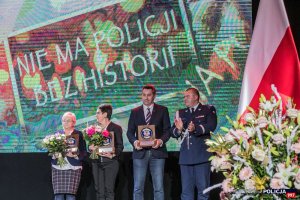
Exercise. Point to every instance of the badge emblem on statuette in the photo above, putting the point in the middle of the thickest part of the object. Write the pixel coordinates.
(107, 141)
(146, 133)
(71, 141)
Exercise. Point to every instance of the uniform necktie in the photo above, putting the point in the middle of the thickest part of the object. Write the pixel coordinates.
(148, 116)
(193, 110)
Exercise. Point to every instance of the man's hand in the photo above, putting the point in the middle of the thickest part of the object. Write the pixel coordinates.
(157, 143)
(179, 124)
(137, 145)
(191, 127)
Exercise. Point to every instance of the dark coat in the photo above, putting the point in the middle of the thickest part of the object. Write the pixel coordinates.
(160, 118)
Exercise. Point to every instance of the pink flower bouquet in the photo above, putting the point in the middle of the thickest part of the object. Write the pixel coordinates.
(95, 135)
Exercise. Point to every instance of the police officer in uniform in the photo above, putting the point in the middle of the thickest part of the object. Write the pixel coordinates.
(194, 124)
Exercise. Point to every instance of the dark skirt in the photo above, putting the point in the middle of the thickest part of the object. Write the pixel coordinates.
(65, 181)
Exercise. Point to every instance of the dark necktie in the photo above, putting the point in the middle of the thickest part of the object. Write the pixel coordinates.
(148, 116)
(192, 110)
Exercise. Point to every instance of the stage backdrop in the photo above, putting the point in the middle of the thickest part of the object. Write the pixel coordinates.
(67, 55)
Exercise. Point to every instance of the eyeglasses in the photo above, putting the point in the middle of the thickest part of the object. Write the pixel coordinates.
(67, 121)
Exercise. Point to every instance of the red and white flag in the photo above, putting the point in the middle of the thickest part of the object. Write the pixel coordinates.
(272, 58)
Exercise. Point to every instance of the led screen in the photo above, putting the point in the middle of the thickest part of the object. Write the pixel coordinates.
(59, 56)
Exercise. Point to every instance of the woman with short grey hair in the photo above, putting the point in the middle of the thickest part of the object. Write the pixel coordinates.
(66, 178)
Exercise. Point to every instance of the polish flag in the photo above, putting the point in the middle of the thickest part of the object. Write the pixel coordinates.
(272, 58)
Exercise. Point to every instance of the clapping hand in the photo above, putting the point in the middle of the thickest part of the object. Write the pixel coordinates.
(191, 127)
(179, 124)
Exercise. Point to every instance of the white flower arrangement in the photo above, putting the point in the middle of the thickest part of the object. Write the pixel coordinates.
(259, 152)
(56, 146)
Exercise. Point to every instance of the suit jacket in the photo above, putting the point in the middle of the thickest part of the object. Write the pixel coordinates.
(160, 118)
(205, 120)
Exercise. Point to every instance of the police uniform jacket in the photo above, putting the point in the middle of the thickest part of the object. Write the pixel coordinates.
(205, 121)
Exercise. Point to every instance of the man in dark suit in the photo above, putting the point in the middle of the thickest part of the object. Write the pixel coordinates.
(153, 156)
(194, 125)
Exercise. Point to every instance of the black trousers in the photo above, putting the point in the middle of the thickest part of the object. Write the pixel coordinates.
(105, 173)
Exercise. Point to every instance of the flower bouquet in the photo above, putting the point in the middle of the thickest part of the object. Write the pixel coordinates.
(56, 146)
(95, 135)
(259, 153)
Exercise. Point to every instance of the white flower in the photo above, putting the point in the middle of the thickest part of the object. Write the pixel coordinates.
(278, 138)
(46, 140)
(297, 185)
(228, 137)
(268, 144)
(226, 166)
(292, 113)
(262, 122)
(276, 183)
(249, 117)
(235, 149)
(250, 131)
(280, 166)
(258, 154)
(239, 133)
(296, 147)
(215, 163)
(57, 155)
(226, 186)
(297, 177)
(250, 185)
(52, 137)
(98, 129)
(297, 180)
(267, 106)
(284, 173)
(220, 163)
(245, 173)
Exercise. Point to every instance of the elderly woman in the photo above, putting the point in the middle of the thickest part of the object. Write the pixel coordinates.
(106, 168)
(66, 178)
